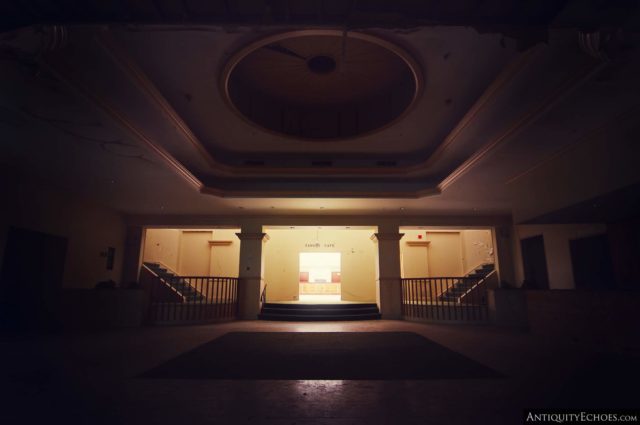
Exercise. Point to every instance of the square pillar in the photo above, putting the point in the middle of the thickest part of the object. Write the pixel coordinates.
(505, 265)
(132, 256)
(250, 275)
(389, 278)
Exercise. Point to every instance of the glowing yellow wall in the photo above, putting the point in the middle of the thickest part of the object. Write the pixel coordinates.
(162, 245)
(444, 253)
(477, 248)
(281, 256)
(225, 258)
(191, 253)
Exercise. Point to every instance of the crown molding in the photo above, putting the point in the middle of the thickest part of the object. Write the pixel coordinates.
(144, 84)
(62, 70)
(572, 82)
(252, 236)
(589, 135)
(494, 89)
(388, 236)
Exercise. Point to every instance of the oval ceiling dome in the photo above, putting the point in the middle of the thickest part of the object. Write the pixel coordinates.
(321, 84)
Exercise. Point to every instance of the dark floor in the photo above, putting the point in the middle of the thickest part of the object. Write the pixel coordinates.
(134, 376)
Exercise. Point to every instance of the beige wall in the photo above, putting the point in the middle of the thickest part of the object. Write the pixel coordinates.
(225, 258)
(415, 261)
(281, 261)
(189, 253)
(477, 248)
(89, 228)
(162, 245)
(447, 253)
(556, 245)
(195, 253)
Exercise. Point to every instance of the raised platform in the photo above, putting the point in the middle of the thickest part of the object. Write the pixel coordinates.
(306, 312)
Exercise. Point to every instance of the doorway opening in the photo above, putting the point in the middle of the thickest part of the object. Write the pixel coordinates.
(591, 262)
(344, 271)
(320, 278)
(534, 263)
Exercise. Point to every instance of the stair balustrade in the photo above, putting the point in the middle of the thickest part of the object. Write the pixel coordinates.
(460, 299)
(188, 299)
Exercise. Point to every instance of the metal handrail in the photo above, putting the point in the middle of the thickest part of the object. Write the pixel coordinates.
(441, 299)
(213, 298)
(263, 296)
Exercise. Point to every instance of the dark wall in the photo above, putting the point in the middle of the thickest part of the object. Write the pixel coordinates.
(624, 242)
(31, 276)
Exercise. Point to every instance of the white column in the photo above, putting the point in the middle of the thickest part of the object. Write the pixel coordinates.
(389, 284)
(250, 275)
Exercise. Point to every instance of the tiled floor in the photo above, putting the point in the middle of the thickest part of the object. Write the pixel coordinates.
(94, 378)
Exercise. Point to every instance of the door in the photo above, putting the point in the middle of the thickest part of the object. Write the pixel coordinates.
(534, 263)
(445, 254)
(319, 275)
(32, 273)
(591, 262)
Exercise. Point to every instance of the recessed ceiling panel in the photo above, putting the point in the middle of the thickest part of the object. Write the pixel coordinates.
(321, 84)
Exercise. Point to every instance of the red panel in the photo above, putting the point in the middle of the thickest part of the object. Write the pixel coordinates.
(335, 277)
(304, 277)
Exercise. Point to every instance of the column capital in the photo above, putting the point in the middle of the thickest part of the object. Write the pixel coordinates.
(387, 236)
(253, 236)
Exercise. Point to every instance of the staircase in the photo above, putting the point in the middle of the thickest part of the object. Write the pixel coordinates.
(180, 285)
(318, 312)
(461, 287)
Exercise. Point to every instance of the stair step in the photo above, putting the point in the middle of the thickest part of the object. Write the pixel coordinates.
(320, 306)
(318, 317)
(287, 311)
(319, 312)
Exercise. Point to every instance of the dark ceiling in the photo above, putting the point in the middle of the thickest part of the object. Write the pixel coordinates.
(618, 205)
(397, 13)
(523, 20)
(400, 13)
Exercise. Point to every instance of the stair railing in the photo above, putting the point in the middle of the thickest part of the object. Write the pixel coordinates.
(157, 287)
(202, 298)
(437, 299)
(263, 296)
(487, 282)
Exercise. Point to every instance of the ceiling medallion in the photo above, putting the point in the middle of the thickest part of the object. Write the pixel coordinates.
(321, 84)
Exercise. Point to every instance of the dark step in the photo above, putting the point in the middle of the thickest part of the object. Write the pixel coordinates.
(317, 317)
(320, 306)
(319, 312)
(271, 310)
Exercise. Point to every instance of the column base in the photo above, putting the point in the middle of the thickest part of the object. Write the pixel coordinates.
(249, 297)
(390, 298)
